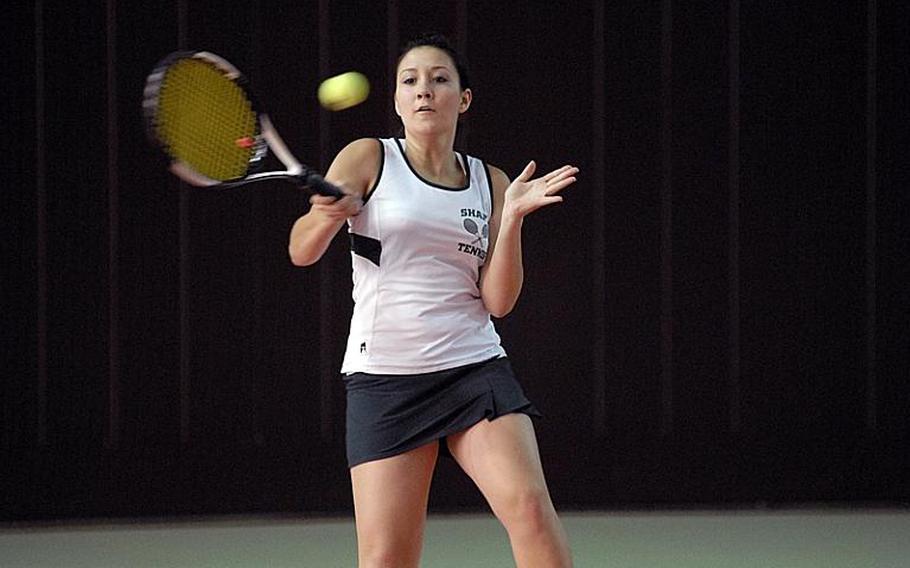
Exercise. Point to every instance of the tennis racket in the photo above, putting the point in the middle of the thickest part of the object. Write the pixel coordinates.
(200, 110)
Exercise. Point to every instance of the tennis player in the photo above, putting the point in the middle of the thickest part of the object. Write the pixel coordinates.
(436, 250)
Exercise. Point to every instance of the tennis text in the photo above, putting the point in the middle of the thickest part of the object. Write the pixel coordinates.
(471, 249)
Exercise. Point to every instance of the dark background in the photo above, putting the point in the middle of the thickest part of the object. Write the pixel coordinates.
(717, 316)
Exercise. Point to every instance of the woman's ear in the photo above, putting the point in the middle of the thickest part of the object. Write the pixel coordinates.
(466, 97)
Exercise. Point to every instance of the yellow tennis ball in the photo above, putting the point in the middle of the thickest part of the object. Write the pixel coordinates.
(343, 91)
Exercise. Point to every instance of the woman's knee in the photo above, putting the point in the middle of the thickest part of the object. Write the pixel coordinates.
(527, 510)
(389, 553)
(390, 541)
(384, 559)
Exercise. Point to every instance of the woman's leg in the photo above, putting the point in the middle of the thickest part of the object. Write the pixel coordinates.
(390, 507)
(502, 458)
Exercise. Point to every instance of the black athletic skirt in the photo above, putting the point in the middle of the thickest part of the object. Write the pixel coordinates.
(391, 414)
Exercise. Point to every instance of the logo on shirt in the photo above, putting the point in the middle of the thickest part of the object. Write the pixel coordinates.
(475, 223)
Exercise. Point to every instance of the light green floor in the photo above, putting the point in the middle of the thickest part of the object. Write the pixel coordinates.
(798, 539)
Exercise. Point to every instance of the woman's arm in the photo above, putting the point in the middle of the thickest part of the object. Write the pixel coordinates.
(503, 274)
(354, 170)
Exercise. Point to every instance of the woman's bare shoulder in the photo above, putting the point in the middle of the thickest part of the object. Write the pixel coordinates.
(498, 178)
(356, 165)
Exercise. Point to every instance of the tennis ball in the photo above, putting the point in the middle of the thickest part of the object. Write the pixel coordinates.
(343, 91)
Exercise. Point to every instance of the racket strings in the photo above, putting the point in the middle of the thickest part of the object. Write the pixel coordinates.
(206, 120)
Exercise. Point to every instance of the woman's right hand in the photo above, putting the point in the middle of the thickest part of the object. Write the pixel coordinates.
(336, 209)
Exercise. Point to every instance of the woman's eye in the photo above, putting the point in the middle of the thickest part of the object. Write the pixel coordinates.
(441, 79)
(409, 80)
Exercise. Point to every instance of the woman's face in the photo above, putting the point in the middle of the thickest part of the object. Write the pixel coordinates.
(428, 95)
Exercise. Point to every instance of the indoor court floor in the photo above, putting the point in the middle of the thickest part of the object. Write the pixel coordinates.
(822, 538)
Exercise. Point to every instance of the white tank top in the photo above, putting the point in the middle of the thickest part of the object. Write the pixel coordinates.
(416, 250)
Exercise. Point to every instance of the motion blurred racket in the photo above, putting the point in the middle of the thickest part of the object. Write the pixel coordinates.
(201, 112)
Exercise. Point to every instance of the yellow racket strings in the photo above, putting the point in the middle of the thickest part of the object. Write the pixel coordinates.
(206, 120)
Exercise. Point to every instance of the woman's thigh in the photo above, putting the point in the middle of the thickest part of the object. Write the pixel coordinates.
(503, 459)
(390, 502)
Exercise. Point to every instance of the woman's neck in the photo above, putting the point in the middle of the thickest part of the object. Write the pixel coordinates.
(434, 159)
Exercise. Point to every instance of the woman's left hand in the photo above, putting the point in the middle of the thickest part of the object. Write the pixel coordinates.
(526, 195)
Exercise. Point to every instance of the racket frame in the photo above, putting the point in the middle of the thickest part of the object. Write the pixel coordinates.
(266, 136)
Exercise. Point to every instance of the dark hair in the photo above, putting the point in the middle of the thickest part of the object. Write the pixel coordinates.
(439, 41)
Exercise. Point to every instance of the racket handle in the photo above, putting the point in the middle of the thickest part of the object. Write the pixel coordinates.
(318, 184)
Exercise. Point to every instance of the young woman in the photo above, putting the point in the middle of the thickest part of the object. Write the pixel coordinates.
(436, 250)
